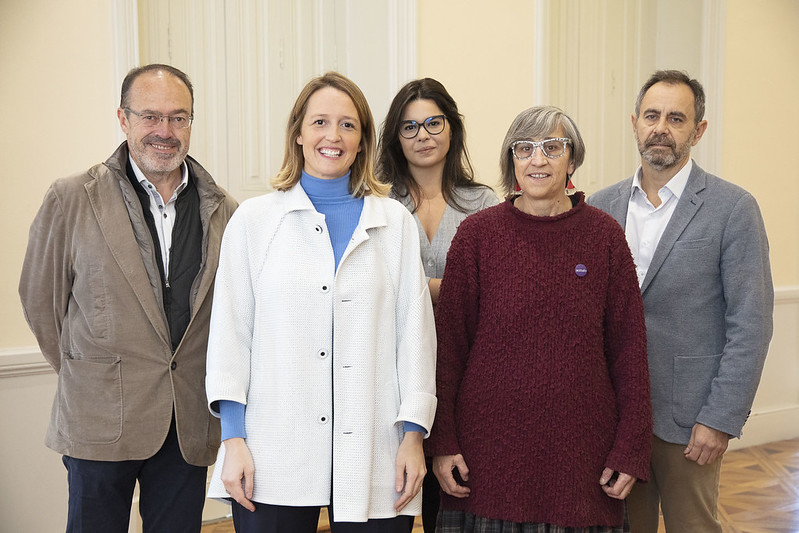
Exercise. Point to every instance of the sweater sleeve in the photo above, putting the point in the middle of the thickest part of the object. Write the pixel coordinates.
(625, 350)
(456, 324)
(231, 416)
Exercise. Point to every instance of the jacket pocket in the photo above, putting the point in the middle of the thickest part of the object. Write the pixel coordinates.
(693, 376)
(693, 244)
(90, 402)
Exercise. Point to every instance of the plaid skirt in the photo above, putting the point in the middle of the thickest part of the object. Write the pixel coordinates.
(462, 522)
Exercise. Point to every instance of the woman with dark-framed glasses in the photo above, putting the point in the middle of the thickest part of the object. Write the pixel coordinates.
(544, 420)
(423, 156)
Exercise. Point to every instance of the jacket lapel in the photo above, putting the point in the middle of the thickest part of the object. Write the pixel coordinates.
(372, 216)
(619, 205)
(113, 209)
(687, 207)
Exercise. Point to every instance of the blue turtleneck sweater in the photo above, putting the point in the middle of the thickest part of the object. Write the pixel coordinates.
(342, 211)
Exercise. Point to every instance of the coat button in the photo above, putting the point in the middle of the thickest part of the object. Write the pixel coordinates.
(322, 354)
(173, 366)
(325, 288)
(318, 228)
(322, 419)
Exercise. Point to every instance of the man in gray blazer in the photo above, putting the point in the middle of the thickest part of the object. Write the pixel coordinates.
(701, 253)
(117, 286)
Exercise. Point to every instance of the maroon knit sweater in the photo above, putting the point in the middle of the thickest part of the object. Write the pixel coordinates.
(542, 373)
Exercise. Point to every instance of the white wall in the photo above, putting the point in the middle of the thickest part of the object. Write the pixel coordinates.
(58, 106)
(33, 492)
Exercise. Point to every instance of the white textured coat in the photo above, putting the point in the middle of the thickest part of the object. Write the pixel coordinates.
(328, 363)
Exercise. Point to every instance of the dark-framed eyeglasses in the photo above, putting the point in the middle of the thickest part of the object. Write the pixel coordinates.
(551, 148)
(180, 121)
(433, 125)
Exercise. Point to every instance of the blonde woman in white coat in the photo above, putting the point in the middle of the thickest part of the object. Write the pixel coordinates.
(321, 358)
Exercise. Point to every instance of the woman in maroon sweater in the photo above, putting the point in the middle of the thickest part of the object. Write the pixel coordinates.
(544, 418)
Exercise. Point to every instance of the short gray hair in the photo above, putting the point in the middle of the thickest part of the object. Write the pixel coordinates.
(539, 122)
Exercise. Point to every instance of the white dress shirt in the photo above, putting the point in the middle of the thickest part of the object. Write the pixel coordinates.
(164, 214)
(646, 223)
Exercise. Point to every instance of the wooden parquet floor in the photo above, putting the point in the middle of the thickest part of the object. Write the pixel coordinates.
(759, 491)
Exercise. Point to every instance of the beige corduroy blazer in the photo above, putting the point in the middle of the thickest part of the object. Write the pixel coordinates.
(91, 293)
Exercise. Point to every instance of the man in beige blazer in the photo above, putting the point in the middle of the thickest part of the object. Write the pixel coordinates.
(117, 286)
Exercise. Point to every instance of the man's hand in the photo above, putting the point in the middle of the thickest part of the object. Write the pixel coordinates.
(410, 468)
(706, 444)
(443, 468)
(238, 466)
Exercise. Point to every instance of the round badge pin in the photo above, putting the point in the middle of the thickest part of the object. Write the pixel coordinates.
(580, 270)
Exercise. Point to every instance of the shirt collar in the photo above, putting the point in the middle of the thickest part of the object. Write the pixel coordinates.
(184, 180)
(676, 185)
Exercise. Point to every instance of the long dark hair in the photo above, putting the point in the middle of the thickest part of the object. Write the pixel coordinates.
(392, 167)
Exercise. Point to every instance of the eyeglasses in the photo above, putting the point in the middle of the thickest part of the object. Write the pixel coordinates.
(180, 121)
(433, 125)
(552, 148)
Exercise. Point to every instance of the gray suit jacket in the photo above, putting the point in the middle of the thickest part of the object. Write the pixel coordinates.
(708, 301)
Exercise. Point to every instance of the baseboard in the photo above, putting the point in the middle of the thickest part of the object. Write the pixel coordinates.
(769, 426)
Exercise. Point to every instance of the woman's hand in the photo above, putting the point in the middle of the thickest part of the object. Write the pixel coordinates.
(410, 468)
(618, 488)
(238, 467)
(443, 468)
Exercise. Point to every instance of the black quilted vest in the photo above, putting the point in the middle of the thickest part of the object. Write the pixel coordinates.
(184, 258)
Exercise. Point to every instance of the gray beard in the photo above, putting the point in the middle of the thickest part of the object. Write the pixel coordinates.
(661, 160)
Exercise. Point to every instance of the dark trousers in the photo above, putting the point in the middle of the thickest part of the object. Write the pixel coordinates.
(171, 495)
(279, 519)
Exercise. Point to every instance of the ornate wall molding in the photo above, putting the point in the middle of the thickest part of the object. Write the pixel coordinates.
(125, 25)
(597, 55)
(714, 17)
(20, 362)
(249, 60)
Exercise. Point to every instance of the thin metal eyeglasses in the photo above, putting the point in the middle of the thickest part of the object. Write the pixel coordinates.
(551, 148)
(433, 125)
(180, 121)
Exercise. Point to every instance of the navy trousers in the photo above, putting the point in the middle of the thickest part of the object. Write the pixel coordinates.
(171, 492)
(280, 519)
